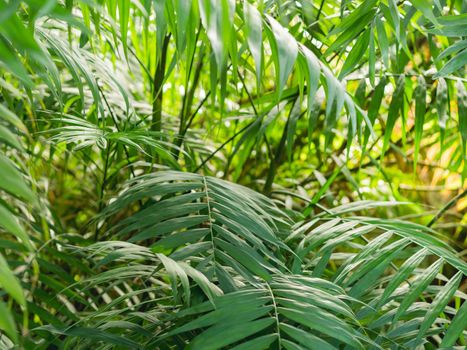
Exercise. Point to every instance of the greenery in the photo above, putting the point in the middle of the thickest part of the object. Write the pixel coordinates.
(236, 174)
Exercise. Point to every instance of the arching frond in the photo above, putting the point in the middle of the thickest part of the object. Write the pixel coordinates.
(226, 228)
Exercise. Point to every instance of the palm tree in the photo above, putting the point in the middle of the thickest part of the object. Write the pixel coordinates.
(226, 174)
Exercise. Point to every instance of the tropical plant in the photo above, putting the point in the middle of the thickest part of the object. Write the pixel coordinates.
(210, 174)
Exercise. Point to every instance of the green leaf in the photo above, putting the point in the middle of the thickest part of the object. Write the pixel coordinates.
(254, 31)
(355, 17)
(368, 273)
(12, 62)
(393, 113)
(179, 239)
(94, 334)
(451, 30)
(209, 288)
(217, 19)
(373, 108)
(124, 16)
(7, 323)
(321, 191)
(245, 259)
(382, 40)
(443, 297)
(11, 224)
(174, 271)
(322, 322)
(372, 55)
(422, 237)
(462, 113)
(161, 26)
(249, 303)
(183, 8)
(417, 288)
(402, 274)
(10, 284)
(395, 16)
(456, 328)
(12, 181)
(442, 107)
(219, 336)
(284, 50)
(307, 339)
(348, 35)
(10, 117)
(458, 46)
(8, 137)
(169, 226)
(356, 54)
(457, 62)
(312, 78)
(425, 7)
(259, 343)
(420, 110)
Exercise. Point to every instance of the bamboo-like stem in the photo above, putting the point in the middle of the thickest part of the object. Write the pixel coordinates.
(103, 185)
(157, 92)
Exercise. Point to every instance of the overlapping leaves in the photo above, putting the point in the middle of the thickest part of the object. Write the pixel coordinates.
(350, 281)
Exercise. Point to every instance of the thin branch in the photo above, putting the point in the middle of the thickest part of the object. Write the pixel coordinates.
(447, 206)
(104, 183)
(230, 139)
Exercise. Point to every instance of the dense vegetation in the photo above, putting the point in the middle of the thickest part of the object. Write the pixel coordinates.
(210, 174)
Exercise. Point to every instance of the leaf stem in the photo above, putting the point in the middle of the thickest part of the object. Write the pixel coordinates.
(157, 92)
(278, 156)
(276, 316)
(446, 207)
(104, 183)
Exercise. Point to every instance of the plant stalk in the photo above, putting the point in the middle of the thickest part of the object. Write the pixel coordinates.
(157, 92)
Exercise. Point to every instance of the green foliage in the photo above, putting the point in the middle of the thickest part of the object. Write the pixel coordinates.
(232, 174)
